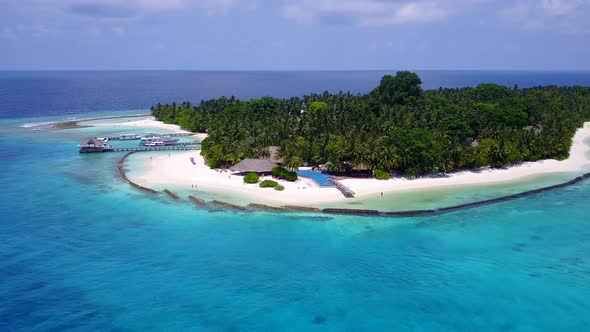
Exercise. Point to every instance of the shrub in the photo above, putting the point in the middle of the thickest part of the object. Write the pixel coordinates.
(284, 174)
(279, 188)
(213, 163)
(268, 184)
(251, 178)
(381, 174)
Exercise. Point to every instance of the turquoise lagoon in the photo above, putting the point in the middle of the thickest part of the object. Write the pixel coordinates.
(405, 200)
(82, 251)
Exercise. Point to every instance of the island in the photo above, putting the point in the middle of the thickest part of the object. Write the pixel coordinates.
(333, 149)
(396, 129)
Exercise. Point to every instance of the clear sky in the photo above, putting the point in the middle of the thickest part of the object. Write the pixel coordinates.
(295, 34)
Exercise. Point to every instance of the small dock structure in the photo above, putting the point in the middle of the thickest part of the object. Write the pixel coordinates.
(154, 148)
(93, 144)
(343, 189)
(127, 137)
(98, 144)
(130, 137)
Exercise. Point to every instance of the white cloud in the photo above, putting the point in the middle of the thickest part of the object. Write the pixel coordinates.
(118, 31)
(123, 9)
(569, 16)
(96, 18)
(561, 7)
(38, 30)
(94, 32)
(214, 7)
(374, 12)
(8, 34)
(23, 31)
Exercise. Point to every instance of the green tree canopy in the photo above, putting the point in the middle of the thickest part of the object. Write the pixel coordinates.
(397, 127)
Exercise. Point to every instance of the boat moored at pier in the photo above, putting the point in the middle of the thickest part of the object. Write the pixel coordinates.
(129, 137)
(152, 140)
(97, 144)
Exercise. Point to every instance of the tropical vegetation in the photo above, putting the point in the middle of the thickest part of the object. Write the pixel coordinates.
(396, 128)
(268, 184)
(251, 178)
(284, 174)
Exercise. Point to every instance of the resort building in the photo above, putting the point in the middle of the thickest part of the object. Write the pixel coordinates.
(261, 166)
(93, 144)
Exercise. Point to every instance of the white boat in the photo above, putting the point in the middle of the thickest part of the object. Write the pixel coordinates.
(129, 137)
(161, 140)
(150, 138)
(154, 144)
(167, 141)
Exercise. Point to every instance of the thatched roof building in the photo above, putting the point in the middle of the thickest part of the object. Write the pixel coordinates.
(254, 165)
(93, 142)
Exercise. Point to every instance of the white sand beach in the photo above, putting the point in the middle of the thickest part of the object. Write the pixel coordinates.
(177, 170)
(577, 162)
(148, 123)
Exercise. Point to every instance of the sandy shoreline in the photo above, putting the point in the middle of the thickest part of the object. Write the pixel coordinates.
(178, 171)
(576, 163)
(149, 123)
(74, 123)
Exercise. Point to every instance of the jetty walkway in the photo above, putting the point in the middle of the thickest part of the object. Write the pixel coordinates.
(347, 192)
(154, 148)
(98, 145)
(137, 137)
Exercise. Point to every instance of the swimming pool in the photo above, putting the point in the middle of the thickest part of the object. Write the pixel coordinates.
(321, 179)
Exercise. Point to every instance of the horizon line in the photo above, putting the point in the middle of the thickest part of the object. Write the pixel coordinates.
(290, 70)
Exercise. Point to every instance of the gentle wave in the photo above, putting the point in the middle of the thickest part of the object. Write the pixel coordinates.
(37, 124)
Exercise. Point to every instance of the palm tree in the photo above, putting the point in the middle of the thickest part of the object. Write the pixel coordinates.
(389, 157)
(293, 162)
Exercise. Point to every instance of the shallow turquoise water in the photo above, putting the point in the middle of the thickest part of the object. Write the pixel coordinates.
(433, 198)
(82, 251)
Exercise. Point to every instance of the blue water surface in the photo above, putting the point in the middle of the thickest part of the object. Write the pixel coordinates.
(81, 251)
(45, 93)
(321, 179)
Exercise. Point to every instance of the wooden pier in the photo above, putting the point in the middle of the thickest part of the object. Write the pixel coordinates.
(137, 137)
(154, 148)
(185, 144)
(96, 145)
(343, 189)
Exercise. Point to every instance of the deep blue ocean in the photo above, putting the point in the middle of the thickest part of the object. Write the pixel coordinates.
(82, 251)
(45, 93)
